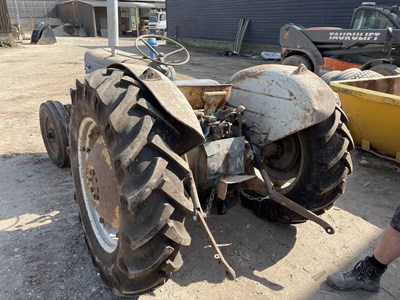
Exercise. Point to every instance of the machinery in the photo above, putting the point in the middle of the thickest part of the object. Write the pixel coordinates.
(372, 42)
(146, 152)
(43, 34)
(157, 22)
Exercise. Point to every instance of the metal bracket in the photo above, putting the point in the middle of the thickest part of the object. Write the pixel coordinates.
(201, 218)
(224, 181)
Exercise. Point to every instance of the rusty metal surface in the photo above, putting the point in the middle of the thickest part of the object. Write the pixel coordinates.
(225, 157)
(224, 181)
(213, 159)
(201, 97)
(280, 100)
(388, 85)
(102, 185)
(172, 100)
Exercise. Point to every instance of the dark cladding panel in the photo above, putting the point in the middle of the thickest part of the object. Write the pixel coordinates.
(87, 17)
(218, 20)
(5, 26)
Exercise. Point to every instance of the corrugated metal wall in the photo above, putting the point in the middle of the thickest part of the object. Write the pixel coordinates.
(32, 9)
(5, 26)
(218, 19)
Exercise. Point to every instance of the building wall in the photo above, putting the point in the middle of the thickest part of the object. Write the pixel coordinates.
(79, 14)
(218, 20)
(28, 9)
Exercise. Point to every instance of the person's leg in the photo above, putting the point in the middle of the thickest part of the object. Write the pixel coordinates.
(367, 273)
(388, 248)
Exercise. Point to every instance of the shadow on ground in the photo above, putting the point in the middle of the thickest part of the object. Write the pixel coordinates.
(44, 255)
(374, 185)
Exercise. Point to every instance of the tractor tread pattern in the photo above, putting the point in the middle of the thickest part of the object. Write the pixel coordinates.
(150, 177)
(327, 163)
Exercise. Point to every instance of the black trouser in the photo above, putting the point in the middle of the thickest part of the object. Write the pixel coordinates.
(395, 223)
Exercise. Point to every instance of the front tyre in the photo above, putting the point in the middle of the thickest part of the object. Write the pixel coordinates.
(129, 182)
(54, 119)
(308, 167)
(296, 60)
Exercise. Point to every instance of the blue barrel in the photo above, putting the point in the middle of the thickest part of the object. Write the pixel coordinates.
(152, 42)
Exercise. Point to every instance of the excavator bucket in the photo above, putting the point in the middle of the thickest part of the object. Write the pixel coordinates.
(43, 35)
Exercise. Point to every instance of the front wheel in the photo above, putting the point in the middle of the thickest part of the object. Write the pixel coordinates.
(54, 119)
(308, 167)
(296, 60)
(129, 182)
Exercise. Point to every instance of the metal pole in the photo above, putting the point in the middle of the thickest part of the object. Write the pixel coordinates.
(112, 25)
(45, 10)
(137, 21)
(17, 13)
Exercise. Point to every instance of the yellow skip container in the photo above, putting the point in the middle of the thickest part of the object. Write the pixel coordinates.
(373, 108)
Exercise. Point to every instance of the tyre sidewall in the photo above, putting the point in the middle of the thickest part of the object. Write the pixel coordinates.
(49, 110)
(296, 60)
(103, 259)
(325, 159)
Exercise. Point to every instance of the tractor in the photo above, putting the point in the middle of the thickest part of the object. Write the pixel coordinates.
(146, 152)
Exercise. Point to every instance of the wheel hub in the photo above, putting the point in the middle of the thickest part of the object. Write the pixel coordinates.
(51, 136)
(101, 184)
(282, 160)
(281, 155)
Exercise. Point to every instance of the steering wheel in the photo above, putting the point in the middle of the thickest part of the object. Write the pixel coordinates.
(160, 57)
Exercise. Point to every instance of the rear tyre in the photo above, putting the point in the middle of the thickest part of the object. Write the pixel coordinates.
(368, 74)
(309, 167)
(129, 182)
(54, 119)
(296, 60)
(348, 74)
(329, 76)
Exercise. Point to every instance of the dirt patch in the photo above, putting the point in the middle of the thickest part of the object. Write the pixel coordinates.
(42, 251)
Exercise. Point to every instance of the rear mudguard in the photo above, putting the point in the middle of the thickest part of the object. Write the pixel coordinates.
(280, 100)
(173, 102)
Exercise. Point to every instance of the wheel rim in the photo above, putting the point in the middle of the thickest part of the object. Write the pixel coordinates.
(106, 234)
(283, 162)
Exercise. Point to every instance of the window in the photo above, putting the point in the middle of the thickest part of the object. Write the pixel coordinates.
(153, 18)
(370, 19)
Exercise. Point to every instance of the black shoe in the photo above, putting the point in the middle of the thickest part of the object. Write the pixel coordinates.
(364, 276)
